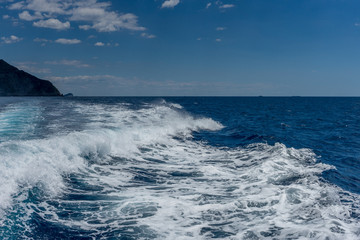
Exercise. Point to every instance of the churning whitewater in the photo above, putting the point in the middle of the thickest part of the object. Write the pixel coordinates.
(124, 168)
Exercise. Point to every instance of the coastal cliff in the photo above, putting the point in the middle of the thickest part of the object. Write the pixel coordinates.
(15, 82)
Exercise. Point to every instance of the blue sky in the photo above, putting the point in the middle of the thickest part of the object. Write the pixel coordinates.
(186, 47)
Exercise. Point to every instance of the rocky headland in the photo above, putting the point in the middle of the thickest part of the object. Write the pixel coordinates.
(15, 82)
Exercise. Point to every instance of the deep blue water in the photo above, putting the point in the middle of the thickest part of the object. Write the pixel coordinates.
(180, 168)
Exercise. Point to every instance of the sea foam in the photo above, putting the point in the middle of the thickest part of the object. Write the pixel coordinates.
(138, 173)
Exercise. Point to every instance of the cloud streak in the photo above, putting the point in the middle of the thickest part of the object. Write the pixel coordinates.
(72, 63)
(52, 23)
(32, 67)
(111, 85)
(224, 6)
(11, 39)
(149, 36)
(99, 44)
(170, 3)
(67, 41)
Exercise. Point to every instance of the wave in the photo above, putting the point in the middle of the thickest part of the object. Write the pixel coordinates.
(138, 173)
(32, 161)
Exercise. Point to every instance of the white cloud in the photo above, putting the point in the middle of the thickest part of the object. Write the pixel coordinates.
(88, 13)
(208, 5)
(227, 6)
(106, 78)
(67, 41)
(218, 40)
(5, 16)
(32, 67)
(96, 15)
(52, 23)
(25, 15)
(99, 44)
(11, 39)
(43, 40)
(48, 6)
(106, 21)
(146, 35)
(17, 6)
(220, 28)
(113, 22)
(170, 3)
(94, 85)
(73, 63)
(103, 20)
(85, 27)
(110, 85)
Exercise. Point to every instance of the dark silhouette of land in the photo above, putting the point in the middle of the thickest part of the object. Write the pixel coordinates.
(15, 82)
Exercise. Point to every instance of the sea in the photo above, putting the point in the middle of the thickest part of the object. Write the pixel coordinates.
(180, 168)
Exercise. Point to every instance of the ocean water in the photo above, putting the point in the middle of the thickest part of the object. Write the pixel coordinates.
(179, 168)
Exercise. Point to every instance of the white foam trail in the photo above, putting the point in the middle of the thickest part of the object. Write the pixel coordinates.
(152, 176)
(249, 198)
(45, 161)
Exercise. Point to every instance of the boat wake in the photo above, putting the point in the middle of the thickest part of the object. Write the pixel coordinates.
(137, 172)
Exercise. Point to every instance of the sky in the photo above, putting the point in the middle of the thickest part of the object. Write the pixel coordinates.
(186, 47)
